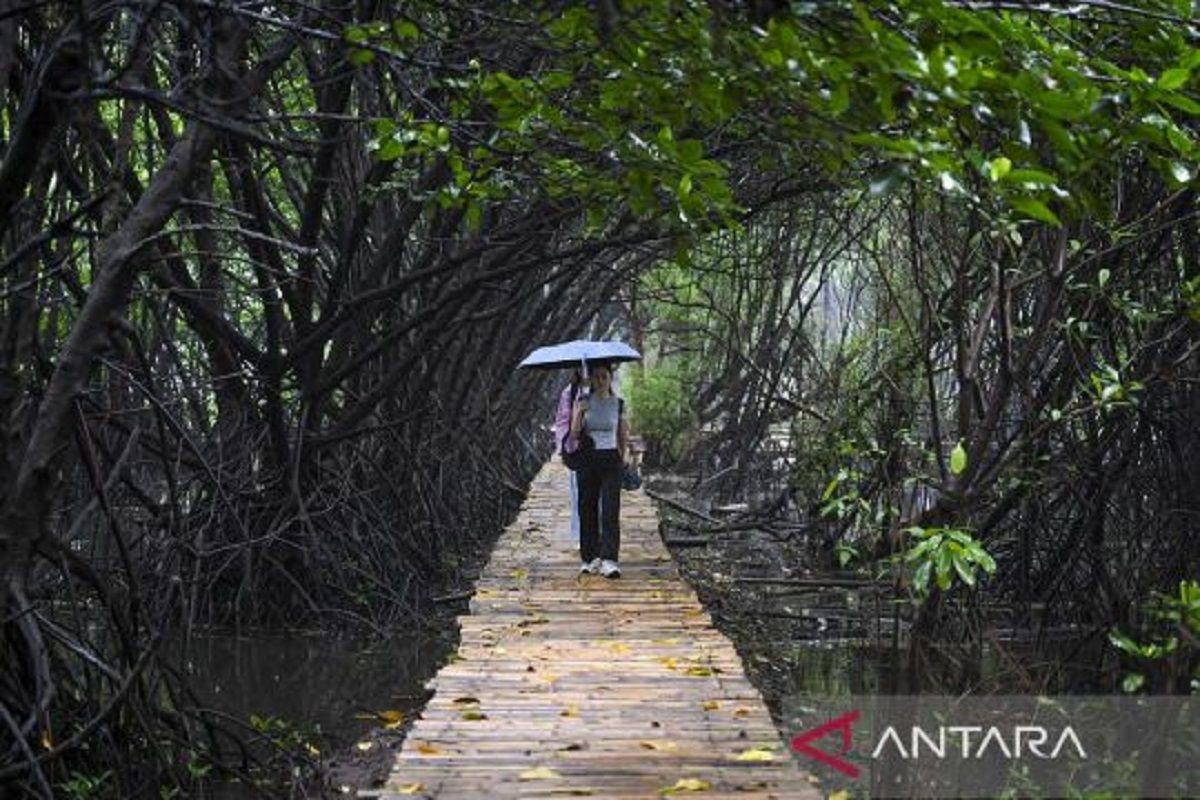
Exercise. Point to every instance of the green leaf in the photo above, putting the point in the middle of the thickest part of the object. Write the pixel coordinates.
(921, 576)
(958, 459)
(1182, 102)
(1181, 172)
(1173, 78)
(830, 488)
(1035, 176)
(944, 566)
(964, 571)
(1035, 209)
(998, 168)
(1124, 643)
(1132, 682)
(404, 29)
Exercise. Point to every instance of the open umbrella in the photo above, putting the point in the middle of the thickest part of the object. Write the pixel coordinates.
(577, 353)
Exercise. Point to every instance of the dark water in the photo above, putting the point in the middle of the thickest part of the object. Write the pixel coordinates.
(331, 688)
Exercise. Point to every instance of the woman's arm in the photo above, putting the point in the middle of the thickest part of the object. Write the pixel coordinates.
(577, 418)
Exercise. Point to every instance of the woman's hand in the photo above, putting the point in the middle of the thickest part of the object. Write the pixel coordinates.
(581, 407)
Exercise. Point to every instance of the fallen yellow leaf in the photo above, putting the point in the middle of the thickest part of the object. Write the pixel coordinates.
(667, 661)
(411, 788)
(840, 794)
(539, 774)
(473, 715)
(426, 749)
(702, 672)
(391, 720)
(756, 754)
(687, 785)
(569, 711)
(465, 701)
(742, 711)
(711, 705)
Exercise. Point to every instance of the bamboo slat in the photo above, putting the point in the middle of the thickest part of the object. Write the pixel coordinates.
(580, 686)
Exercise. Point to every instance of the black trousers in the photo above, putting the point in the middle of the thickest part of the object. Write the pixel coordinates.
(600, 534)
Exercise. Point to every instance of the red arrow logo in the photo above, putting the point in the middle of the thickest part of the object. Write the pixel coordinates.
(845, 723)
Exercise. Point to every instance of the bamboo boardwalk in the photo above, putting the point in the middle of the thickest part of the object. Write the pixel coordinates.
(567, 685)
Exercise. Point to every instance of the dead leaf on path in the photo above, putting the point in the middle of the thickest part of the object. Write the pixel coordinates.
(620, 648)
(742, 711)
(411, 788)
(465, 700)
(569, 711)
(756, 754)
(840, 794)
(392, 717)
(539, 774)
(667, 661)
(710, 705)
(520, 573)
(702, 672)
(473, 715)
(659, 744)
(426, 749)
(686, 785)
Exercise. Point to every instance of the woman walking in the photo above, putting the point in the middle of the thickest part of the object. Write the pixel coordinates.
(601, 416)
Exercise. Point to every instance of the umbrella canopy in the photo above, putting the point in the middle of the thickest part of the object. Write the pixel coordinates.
(580, 351)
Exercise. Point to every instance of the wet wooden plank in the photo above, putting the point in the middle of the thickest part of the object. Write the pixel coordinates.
(567, 685)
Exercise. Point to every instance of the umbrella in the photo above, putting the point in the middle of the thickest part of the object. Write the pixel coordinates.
(580, 351)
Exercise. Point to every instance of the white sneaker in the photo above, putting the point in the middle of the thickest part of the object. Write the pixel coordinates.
(609, 569)
(590, 567)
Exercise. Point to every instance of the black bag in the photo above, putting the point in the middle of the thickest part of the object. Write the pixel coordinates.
(631, 479)
(581, 456)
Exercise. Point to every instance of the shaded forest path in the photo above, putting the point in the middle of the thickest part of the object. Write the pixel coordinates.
(568, 685)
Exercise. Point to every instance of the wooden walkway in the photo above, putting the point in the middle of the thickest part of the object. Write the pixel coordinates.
(567, 685)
